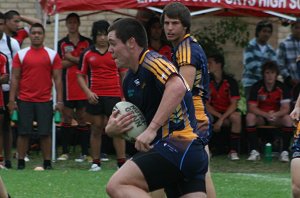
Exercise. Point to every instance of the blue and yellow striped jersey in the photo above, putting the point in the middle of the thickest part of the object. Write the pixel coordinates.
(145, 89)
(189, 52)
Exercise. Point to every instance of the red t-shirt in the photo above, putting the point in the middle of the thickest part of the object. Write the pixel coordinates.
(104, 79)
(3, 70)
(36, 67)
(72, 90)
(21, 35)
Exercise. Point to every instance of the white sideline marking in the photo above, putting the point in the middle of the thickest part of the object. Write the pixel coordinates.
(265, 177)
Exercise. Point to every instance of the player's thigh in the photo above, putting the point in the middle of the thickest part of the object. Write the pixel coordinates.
(68, 114)
(129, 174)
(44, 115)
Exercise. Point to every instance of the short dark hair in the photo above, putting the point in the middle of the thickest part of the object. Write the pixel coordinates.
(129, 27)
(263, 24)
(99, 26)
(10, 14)
(218, 58)
(270, 65)
(179, 11)
(71, 15)
(35, 25)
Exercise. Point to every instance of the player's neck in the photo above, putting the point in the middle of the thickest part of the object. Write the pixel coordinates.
(74, 37)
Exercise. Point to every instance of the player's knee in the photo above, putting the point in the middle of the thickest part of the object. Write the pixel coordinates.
(112, 187)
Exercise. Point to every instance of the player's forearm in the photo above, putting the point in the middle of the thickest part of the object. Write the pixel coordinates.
(229, 111)
(83, 85)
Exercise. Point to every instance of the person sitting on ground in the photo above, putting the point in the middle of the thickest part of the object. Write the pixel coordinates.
(269, 104)
(222, 104)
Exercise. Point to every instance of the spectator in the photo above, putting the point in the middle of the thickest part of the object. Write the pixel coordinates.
(12, 25)
(8, 46)
(222, 105)
(190, 59)
(295, 163)
(287, 53)
(34, 68)
(69, 49)
(156, 38)
(165, 101)
(256, 53)
(269, 104)
(3, 79)
(103, 93)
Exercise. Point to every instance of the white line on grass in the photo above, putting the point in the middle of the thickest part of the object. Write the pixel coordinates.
(265, 177)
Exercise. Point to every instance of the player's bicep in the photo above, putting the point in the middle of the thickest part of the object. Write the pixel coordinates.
(188, 72)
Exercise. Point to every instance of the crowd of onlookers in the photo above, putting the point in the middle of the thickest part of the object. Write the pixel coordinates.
(86, 94)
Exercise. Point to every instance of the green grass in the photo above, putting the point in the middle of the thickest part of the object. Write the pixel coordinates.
(239, 179)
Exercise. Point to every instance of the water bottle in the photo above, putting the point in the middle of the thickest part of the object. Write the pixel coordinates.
(57, 117)
(14, 116)
(268, 152)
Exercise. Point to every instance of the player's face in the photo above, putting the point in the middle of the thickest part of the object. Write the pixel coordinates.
(13, 23)
(72, 25)
(270, 76)
(101, 39)
(120, 51)
(174, 30)
(36, 36)
(264, 35)
(156, 31)
(296, 30)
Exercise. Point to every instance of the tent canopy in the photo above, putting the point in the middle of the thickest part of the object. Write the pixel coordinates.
(227, 7)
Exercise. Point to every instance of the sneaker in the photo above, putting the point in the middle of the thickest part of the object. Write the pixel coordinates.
(284, 156)
(63, 157)
(81, 158)
(254, 156)
(47, 167)
(233, 156)
(26, 158)
(95, 167)
(103, 157)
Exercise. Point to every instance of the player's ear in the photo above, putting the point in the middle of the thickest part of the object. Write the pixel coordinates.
(131, 42)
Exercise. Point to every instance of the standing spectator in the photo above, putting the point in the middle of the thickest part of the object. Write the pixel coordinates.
(256, 53)
(69, 49)
(34, 68)
(269, 104)
(287, 53)
(3, 79)
(8, 46)
(171, 153)
(12, 25)
(295, 162)
(103, 93)
(156, 38)
(222, 105)
(190, 59)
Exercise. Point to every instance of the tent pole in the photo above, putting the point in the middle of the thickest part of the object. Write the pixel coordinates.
(56, 27)
(280, 15)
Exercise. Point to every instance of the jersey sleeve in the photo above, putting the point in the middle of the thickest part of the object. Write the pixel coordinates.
(83, 63)
(57, 62)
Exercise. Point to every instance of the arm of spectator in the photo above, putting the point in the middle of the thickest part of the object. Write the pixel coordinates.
(253, 108)
(75, 60)
(30, 20)
(212, 110)
(91, 96)
(281, 56)
(232, 108)
(248, 59)
(14, 86)
(284, 110)
(4, 78)
(295, 114)
(57, 77)
(66, 64)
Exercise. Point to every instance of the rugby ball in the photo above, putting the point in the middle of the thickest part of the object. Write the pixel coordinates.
(139, 123)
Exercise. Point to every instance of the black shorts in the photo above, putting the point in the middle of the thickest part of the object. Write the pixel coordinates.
(104, 106)
(161, 173)
(75, 104)
(42, 112)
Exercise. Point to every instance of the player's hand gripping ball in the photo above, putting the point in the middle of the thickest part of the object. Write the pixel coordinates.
(139, 123)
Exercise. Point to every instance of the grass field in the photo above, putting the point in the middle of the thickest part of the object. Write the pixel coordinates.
(69, 179)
